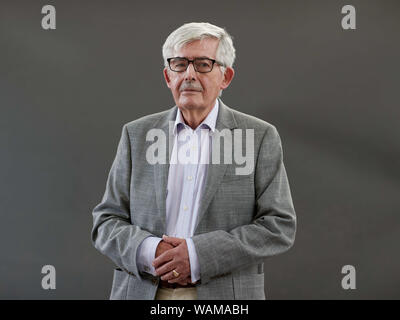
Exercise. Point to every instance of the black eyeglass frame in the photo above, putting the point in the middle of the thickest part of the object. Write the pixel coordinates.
(194, 66)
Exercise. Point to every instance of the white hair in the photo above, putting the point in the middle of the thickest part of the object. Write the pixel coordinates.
(193, 31)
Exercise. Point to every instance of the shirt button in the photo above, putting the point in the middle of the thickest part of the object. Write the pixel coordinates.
(189, 178)
(185, 208)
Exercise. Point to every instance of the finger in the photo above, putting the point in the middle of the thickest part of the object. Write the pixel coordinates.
(163, 258)
(172, 240)
(184, 272)
(166, 267)
(170, 277)
(181, 277)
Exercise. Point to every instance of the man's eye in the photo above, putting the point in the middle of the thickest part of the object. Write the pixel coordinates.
(203, 65)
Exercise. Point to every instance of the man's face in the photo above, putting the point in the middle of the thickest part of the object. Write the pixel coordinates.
(194, 90)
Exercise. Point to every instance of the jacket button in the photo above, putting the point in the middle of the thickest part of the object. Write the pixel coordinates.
(154, 281)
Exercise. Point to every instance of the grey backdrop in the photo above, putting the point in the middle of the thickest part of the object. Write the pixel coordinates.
(332, 94)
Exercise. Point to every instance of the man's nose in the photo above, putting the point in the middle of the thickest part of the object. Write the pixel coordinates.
(190, 73)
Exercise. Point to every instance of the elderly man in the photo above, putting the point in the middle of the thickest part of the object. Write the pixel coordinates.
(199, 229)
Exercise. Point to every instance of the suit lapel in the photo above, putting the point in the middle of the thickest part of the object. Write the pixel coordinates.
(161, 170)
(215, 172)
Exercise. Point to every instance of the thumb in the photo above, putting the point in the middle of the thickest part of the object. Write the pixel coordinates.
(171, 240)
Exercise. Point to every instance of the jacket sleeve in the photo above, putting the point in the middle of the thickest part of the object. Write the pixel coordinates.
(273, 228)
(113, 234)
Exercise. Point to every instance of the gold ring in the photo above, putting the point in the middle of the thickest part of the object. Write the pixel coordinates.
(175, 273)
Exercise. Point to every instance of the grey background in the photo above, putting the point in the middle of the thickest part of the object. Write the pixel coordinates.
(332, 94)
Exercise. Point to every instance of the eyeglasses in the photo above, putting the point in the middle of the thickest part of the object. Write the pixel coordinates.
(202, 65)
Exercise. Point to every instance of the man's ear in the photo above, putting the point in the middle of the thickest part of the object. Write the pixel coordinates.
(166, 77)
(228, 77)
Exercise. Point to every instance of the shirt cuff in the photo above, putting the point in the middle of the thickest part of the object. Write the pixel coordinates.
(194, 261)
(146, 253)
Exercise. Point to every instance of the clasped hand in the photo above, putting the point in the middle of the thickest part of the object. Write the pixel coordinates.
(172, 254)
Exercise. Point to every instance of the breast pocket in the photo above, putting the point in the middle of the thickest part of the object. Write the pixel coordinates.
(237, 192)
(230, 175)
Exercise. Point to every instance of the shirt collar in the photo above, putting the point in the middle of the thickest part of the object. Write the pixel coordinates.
(209, 122)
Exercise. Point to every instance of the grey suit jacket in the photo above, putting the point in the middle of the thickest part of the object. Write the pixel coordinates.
(242, 218)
